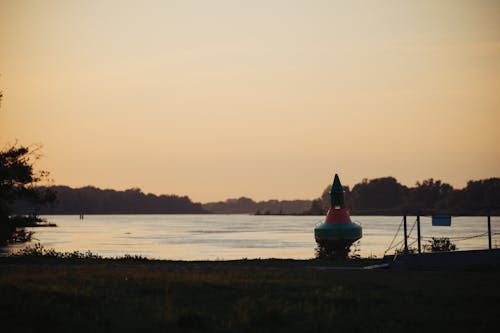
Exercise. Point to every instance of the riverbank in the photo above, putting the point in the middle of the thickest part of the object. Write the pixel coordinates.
(48, 294)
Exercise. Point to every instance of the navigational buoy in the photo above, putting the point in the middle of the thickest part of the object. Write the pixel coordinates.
(336, 235)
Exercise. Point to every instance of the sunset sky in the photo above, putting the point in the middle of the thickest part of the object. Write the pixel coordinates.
(266, 99)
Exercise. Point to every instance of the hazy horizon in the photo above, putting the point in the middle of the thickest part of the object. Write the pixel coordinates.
(263, 99)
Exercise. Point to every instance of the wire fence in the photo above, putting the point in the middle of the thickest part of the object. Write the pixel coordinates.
(399, 246)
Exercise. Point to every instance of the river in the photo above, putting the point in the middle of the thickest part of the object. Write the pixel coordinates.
(225, 237)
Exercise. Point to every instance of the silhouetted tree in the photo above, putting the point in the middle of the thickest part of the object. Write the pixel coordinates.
(377, 195)
(18, 181)
(429, 195)
(480, 197)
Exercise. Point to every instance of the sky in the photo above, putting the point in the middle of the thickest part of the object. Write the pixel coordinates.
(264, 99)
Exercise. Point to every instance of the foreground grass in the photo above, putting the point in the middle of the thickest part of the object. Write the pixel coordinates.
(93, 295)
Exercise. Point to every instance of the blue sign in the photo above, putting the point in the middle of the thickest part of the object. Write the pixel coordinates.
(441, 220)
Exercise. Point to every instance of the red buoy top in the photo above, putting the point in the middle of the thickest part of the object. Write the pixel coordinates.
(337, 216)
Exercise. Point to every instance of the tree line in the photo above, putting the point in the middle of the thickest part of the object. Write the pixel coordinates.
(380, 196)
(245, 205)
(386, 196)
(92, 200)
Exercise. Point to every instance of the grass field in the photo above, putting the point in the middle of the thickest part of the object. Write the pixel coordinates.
(55, 295)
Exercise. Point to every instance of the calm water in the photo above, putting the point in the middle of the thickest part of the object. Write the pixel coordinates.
(210, 237)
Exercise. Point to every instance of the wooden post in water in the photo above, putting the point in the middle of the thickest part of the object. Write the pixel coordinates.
(489, 230)
(406, 238)
(418, 233)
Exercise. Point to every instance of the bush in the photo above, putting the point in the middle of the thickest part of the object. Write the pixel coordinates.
(439, 244)
(38, 250)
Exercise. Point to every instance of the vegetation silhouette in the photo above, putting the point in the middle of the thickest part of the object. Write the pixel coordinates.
(92, 200)
(386, 196)
(18, 181)
(440, 244)
(380, 196)
(245, 205)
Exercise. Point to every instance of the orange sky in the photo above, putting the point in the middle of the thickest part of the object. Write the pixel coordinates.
(267, 99)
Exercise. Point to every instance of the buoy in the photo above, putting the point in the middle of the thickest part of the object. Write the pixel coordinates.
(336, 235)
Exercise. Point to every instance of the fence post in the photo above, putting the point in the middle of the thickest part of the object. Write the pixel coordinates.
(489, 230)
(418, 233)
(406, 238)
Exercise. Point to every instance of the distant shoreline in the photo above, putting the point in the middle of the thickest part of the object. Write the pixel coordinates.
(377, 197)
(253, 214)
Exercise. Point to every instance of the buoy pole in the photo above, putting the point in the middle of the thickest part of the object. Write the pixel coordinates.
(406, 238)
(418, 233)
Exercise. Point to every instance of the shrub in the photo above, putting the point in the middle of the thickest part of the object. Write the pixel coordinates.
(439, 244)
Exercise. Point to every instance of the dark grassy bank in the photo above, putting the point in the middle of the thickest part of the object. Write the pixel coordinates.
(55, 295)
